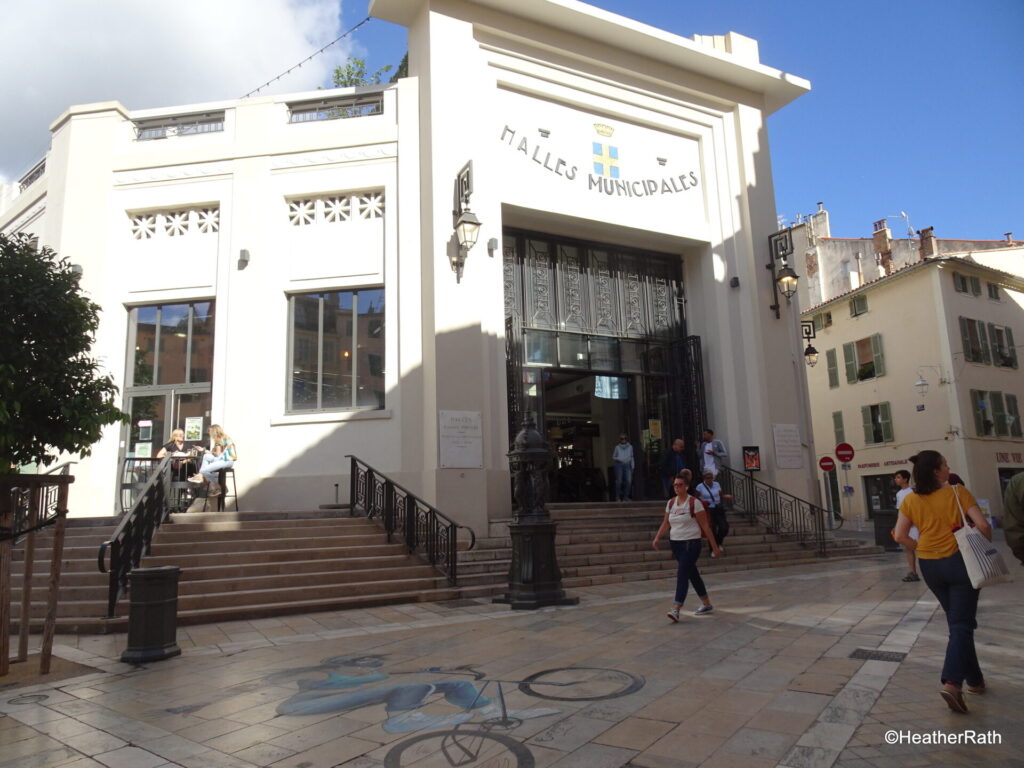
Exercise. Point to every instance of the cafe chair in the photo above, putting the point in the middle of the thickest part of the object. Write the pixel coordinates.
(222, 481)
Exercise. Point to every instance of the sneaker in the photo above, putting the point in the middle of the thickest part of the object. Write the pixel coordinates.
(196, 479)
(911, 577)
(674, 614)
(703, 609)
(214, 491)
(976, 690)
(954, 698)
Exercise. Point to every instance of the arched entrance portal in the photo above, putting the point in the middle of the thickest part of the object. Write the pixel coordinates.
(597, 347)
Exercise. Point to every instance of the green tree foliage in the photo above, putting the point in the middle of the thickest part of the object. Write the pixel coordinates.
(403, 69)
(52, 396)
(353, 73)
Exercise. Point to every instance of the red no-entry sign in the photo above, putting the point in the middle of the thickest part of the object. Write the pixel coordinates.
(827, 464)
(844, 452)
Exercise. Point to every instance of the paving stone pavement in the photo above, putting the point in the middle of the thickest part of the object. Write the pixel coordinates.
(767, 679)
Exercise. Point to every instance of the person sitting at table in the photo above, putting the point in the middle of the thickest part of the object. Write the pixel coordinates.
(176, 445)
(226, 459)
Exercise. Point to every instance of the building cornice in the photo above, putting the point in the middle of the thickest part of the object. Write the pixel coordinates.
(586, 21)
(1004, 279)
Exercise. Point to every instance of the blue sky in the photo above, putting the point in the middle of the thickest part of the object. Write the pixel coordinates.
(917, 105)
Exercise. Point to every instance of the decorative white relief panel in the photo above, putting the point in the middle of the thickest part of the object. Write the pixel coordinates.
(335, 235)
(335, 209)
(174, 248)
(174, 223)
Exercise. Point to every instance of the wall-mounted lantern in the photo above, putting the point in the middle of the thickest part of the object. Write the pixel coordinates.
(467, 225)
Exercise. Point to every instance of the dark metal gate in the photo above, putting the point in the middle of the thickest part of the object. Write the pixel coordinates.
(514, 374)
(687, 403)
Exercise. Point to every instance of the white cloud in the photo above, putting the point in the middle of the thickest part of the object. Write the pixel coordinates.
(146, 54)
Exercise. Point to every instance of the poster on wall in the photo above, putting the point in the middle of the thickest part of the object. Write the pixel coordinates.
(143, 450)
(461, 439)
(788, 451)
(654, 427)
(751, 458)
(194, 428)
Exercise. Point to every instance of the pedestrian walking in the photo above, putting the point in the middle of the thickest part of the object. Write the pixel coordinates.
(902, 480)
(685, 522)
(673, 463)
(934, 507)
(712, 452)
(710, 492)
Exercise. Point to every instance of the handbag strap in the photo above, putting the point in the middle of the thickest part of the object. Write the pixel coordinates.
(963, 517)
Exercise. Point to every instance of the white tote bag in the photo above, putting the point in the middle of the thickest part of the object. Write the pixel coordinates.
(985, 566)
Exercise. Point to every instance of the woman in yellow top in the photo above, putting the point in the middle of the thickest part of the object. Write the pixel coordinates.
(933, 507)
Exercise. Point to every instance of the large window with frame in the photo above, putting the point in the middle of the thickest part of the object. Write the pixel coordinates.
(336, 350)
(171, 344)
(877, 420)
(1004, 353)
(995, 414)
(864, 358)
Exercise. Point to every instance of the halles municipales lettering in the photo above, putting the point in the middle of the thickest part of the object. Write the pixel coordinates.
(667, 185)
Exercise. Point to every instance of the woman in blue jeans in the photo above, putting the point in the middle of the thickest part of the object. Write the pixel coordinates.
(226, 459)
(686, 520)
(934, 507)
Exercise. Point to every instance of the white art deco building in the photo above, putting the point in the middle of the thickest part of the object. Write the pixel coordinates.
(284, 266)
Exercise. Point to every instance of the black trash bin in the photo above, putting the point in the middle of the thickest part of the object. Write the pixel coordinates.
(885, 521)
(153, 614)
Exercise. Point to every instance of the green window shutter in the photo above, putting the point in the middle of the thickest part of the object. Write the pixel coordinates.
(885, 416)
(865, 417)
(985, 357)
(876, 352)
(850, 359)
(837, 426)
(833, 368)
(1009, 343)
(979, 417)
(965, 337)
(1014, 415)
(998, 413)
(975, 285)
(819, 321)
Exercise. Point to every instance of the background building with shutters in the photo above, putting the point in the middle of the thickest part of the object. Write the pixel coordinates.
(950, 322)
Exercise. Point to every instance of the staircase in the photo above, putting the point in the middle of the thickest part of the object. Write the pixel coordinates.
(237, 566)
(605, 544)
(248, 565)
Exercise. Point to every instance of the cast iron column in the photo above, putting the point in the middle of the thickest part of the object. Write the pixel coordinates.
(534, 579)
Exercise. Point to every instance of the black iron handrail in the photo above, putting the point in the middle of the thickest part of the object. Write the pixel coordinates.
(133, 535)
(426, 531)
(783, 513)
(47, 511)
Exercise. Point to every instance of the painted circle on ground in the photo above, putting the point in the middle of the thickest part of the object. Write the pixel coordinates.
(460, 748)
(581, 684)
(827, 463)
(844, 452)
(30, 698)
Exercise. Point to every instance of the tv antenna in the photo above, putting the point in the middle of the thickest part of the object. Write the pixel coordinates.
(911, 232)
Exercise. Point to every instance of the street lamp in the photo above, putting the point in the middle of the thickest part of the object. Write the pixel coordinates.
(808, 333)
(784, 278)
(467, 225)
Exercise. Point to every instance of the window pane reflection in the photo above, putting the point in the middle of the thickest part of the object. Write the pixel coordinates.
(145, 346)
(173, 343)
(337, 345)
(201, 360)
(305, 353)
(370, 348)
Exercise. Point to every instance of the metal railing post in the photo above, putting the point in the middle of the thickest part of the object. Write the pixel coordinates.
(352, 484)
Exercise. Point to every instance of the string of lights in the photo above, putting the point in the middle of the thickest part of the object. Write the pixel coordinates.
(308, 58)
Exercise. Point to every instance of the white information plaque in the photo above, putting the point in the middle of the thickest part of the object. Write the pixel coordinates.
(461, 439)
(788, 451)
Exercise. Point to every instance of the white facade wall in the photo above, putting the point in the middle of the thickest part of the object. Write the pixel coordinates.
(483, 83)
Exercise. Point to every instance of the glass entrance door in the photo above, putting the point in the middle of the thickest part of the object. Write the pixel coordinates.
(155, 414)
